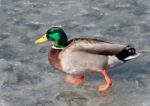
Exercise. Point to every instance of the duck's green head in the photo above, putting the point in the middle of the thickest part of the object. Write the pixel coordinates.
(56, 36)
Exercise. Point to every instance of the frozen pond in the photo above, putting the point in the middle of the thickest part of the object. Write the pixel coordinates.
(26, 79)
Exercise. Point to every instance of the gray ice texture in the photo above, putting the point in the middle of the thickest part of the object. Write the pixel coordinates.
(26, 78)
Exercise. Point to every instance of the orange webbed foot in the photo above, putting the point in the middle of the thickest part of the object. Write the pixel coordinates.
(106, 86)
(75, 80)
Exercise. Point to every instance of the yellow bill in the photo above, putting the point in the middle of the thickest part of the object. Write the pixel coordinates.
(41, 40)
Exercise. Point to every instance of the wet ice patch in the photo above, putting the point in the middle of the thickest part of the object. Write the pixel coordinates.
(72, 98)
(4, 36)
(44, 103)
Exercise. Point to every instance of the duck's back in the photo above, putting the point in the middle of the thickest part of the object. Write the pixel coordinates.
(94, 46)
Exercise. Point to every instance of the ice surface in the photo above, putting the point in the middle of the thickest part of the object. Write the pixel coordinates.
(26, 79)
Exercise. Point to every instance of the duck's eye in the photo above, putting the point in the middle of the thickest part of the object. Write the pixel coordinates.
(131, 51)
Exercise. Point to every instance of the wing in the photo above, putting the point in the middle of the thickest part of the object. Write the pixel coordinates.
(94, 46)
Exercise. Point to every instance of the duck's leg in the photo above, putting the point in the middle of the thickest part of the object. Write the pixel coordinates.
(106, 86)
(75, 80)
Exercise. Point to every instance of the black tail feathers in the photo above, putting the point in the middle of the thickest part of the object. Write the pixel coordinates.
(127, 51)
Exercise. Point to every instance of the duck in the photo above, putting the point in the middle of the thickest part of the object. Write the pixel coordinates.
(79, 56)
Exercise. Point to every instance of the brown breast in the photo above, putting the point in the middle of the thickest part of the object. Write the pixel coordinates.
(54, 59)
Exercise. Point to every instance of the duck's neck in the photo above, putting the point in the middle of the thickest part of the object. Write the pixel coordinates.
(53, 47)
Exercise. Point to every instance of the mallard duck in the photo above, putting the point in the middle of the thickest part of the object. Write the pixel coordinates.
(82, 55)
